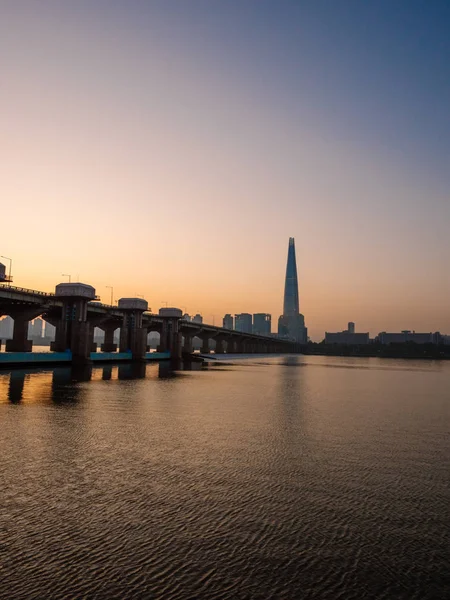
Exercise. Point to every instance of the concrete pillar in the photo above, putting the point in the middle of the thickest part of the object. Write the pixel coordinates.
(108, 344)
(20, 341)
(73, 331)
(133, 337)
(239, 346)
(220, 348)
(205, 345)
(188, 345)
(22, 318)
(231, 346)
(171, 338)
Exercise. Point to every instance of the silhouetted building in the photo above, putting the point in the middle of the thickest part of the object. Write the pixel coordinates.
(35, 329)
(6, 328)
(408, 336)
(346, 338)
(262, 324)
(187, 317)
(228, 321)
(50, 331)
(291, 324)
(243, 322)
(197, 319)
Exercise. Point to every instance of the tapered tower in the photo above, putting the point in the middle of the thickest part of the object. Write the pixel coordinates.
(291, 304)
(291, 324)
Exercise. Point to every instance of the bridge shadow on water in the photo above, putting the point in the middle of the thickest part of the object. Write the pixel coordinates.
(62, 385)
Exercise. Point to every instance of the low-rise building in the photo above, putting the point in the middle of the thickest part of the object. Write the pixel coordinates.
(346, 338)
(408, 336)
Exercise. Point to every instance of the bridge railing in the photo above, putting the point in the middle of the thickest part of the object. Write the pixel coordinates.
(21, 290)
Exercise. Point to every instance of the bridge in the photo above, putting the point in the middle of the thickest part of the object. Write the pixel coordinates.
(74, 311)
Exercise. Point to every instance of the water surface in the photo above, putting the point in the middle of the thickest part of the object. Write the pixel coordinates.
(288, 477)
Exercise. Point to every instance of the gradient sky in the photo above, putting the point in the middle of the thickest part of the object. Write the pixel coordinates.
(170, 148)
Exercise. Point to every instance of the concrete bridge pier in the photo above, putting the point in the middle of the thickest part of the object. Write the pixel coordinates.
(205, 345)
(171, 338)
(230, 346)
(133, 336)
(20, 341)
(109, 345)
(220, 347)
(188, 346)
(73, 331)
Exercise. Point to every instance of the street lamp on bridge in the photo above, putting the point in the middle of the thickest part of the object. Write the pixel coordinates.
(66, 275)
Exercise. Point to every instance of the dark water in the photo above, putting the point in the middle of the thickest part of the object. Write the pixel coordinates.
(295, 477)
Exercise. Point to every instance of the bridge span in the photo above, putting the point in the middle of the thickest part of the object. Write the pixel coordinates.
(74, 310)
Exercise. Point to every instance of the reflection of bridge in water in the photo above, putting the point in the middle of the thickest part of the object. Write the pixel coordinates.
(74, 312)
(60, 383)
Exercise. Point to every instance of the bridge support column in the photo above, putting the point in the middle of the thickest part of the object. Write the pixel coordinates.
(108, 344)
(73, 331)
(205, 345)
(231, 346)
(171, 337)
(188, 346)
(133, 337)
(20, 341)
(239, 347)
(220, 348)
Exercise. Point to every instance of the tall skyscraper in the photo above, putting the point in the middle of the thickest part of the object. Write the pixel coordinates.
(243, 322)
(262, 323)
(291, 324)
(228, 321)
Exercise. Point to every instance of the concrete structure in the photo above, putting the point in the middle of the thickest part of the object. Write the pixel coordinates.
(291, 323)
(262, 324)
(74, 315)
(346, 338)
(228, 322)
(243, 322)
(408, 336)
(197, 319)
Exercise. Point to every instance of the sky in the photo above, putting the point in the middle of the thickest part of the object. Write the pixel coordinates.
(170, 148)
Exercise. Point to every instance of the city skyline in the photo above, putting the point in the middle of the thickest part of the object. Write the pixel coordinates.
(133, 131)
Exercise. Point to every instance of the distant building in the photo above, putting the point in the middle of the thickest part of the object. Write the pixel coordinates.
(197, 319)
(346, 338)
(35, 329)
(262, 324)
(408, 336)
(50, 331)
(6, 328)
(187, 317)
(243, 322)
(228, 321)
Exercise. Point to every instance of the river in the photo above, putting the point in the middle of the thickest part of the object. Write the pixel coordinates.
(285, 477)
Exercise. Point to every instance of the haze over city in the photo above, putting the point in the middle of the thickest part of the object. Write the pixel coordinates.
(171, 148)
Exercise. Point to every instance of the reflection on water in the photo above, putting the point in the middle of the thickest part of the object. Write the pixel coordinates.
(59, 383)
(296, 477)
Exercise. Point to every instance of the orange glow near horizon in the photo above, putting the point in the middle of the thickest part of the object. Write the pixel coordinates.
(131, 160)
